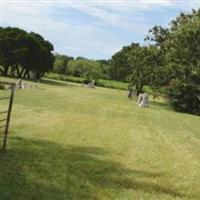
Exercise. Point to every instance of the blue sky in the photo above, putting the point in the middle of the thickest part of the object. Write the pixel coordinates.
(94, 29)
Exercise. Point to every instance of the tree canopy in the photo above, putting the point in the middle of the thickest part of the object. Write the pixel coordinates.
(24, 53)
(87, 69)
(61, 64)
(120, 65)
(146, 63)
(181, 46)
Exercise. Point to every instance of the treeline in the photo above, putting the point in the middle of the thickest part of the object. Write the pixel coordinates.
(24, 54)
(81, 67)
(170, 61)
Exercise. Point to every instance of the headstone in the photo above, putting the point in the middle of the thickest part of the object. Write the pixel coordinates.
(93, 84)
(130, 92)
(19, 84)
(145, 100)
(140, 98)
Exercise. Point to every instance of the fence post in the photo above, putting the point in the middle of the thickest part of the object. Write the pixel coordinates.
(8, 118)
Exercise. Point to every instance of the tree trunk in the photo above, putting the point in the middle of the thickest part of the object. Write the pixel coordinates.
(26, 73)
(40, 75)
(22, 72)
(1, 71)
(139, 88)
(5, 72)
(18, 72)
(130, 93)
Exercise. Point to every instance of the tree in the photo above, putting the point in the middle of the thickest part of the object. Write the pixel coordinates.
(146, 63)
(42, 60)
(11, 47)
(106, 68)
(159, 35)
(24, 52)
(120, 65)
(61, 64)
(184, 53)
(181, 45)
(89, 70)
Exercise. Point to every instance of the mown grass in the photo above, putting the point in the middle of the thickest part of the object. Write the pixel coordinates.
(101, 82)
(71, 142)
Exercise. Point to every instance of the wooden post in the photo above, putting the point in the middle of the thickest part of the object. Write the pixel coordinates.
(8, 117)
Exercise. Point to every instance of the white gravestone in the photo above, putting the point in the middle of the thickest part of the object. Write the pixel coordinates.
(145, 100)
(140, 98)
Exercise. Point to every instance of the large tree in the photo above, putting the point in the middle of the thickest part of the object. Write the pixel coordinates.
(45, 58)
(146, 67)
(61, 64)
(24, 52)
(120, 65)
(87, 69)
(11, 47)
(181, 44)
(106, 68)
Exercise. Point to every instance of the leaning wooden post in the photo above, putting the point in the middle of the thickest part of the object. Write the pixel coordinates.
(8, 117)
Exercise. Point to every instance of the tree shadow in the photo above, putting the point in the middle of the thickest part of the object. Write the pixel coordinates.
(38, 169)
(160, 105)
(56, 82)
(46, 81)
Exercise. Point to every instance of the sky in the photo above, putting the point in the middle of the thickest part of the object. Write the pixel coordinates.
(95, 29)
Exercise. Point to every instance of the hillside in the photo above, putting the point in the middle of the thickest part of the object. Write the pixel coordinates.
(71, 142)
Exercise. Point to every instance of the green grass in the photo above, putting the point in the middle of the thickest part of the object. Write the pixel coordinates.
(101, 82)
(70, 142)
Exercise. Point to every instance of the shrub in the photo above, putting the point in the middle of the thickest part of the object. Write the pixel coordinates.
(185, 97)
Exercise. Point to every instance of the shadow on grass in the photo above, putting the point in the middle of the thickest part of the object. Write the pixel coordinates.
(160, 105)
(34, 169)
(56, 82)
(51, 82)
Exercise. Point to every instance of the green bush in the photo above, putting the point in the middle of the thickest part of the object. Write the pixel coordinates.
(185, 97)
(88, 69)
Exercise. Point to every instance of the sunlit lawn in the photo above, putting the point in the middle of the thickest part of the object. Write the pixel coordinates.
(70, 142)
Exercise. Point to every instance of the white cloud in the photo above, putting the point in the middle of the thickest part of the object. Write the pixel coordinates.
(88, 39)
(157, 2)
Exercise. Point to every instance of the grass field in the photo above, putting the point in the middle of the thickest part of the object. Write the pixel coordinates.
(70, 142)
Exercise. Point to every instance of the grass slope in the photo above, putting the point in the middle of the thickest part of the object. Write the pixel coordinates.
(69, 142)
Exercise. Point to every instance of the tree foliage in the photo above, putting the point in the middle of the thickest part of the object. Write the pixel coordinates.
(181, 47)
(24, 53)
(88, 69)
(61, 64)
(146, 67)
(120, 65)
